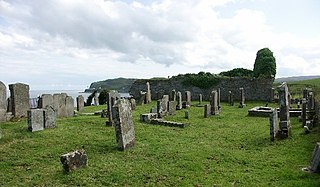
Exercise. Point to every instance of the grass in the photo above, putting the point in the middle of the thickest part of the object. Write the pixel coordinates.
(231, 149)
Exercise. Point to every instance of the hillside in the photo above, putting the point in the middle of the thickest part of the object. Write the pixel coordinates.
(297, 78)
(119, 84)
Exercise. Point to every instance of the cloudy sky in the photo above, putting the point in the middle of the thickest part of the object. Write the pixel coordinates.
(67, 44)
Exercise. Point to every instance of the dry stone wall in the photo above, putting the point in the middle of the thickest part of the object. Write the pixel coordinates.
(255, 88)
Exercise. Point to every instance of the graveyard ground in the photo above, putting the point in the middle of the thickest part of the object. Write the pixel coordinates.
(231, 149)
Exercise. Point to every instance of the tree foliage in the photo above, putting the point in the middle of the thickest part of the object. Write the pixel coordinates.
(265, 64)
(238, 72)
(201, 80)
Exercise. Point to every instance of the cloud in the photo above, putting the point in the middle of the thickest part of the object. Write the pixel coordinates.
(93, 38)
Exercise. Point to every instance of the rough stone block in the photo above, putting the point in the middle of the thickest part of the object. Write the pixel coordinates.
(148, 117)
(35, 120)
(74, 160)
(49, 117)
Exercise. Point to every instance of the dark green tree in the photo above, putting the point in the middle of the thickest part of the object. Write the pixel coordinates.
(103, 96)
(238, 72)
(89, 99)
(265, 64)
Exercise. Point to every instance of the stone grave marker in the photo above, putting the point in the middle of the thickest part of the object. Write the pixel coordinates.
(304, 112)
(35, 120)
(3, 101)
(310, 101)
(74, 160)
(49, 117)
(285, 125)
(274, 125)
(46, 100)
(142, 98)
(112, 96)
(242, 98)
(162, 106)
(69, 106)
(179, 101)
(96, 99)
(148, 93)
(148, 117)
(19, 94)
(188, 98)
(230, 98)
(200, 99)
(214, 103)
(80, 103)
(218, 99)
(122, 118)
(207, 110)
(172, 107)
(173, 95)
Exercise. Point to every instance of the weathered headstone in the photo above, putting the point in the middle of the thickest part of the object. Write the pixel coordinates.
(133, 103)
(310, 101)
(61, 104)
(3, 101)
(142, 98)
(207, 110)
(69, 106)
(46, 100)
(179, 101)
(74, 160)
(148, 93)
(188, 98)
(285, 125)
(122, 118)
(186, 114)
(162, 106)
(304, 112)
(112, 96)
(80, 103)
(172, 108)
(19, 94)
(242, 98)
(200, 99)
(96, 99)
(49, 117)
(173, 95)
(274, 125)
(218, 99)
(230, 98)
(35, 120)
(214, 103)
(315, 160)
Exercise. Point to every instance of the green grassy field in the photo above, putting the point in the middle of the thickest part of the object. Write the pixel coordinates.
(231, 149)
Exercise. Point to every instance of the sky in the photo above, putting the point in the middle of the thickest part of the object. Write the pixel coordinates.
(68, 44)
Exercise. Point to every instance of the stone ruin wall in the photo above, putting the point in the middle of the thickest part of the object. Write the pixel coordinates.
(255, 88)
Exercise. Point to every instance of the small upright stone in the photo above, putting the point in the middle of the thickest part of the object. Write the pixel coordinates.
(112, 97)
(179, 101)
(3, 101)
(218, 99)
(200, 99)
(49, 117)
(80, 103)
(74, 160)
(122, 118)
(142, 99)
(304, 112)
(148, 93)
(172, 107)
(242, 98)
(207, 110)
(96, 99)
(274, 125)
(35, 120)
(214, 103)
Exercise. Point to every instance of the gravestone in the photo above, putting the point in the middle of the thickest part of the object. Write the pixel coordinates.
(112, 96)
(59, 104)
(186, 114)
(148, 117)
(153, 110)
(188, 98)
(142, 98)
(200, 99)
(285, 125)
(49, 117)
(148, 93)
(69, 106)
(315, 160)
(74, 160)
(46, 100)
(304, 112)
(242, 98)
(179, 101)
(218, 100)
(272, 94)
(35, 120)
(96, 99)
(310, 101)
(19, 94)
(274, 125)
(214, 103)
(172, 108)
(80, 103)
(162, 106)
(173, 95)
(230, 98)
(3, 101)
(207, 110)
(122, 118)
(133, 103)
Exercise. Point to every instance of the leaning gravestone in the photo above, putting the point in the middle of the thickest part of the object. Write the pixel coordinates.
(19, 94)
(179, 101)
(80, 103)
(74, 160)
(49, 117)
(3, 101)
(285, 125)
(69, 106)
(122, 118)
(304, 112)
(46, 100)
(112, 96)
(35, 120)
(274, 125)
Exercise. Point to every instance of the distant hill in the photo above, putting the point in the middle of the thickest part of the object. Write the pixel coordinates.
(120, 84)
(296, 78)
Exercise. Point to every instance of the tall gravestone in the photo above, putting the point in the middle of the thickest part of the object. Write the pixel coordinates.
(69, 106)
(242, 98)
(112, 96)
(188, 98)
(310, 101)
(230, 98)
(285, 125)
(80, 103)
(46, 100)
(274, 125)
(172, 108)
(19, 94)
(148, 93)
(56, 103)
(96, 99)
(35, 120)
(214, 102)
(200, 99)
(62, 111)
(3, 101)
(304, 112)
(49, 117)
(179, 101)
(122, 117)
(162, 106)
(219, 99)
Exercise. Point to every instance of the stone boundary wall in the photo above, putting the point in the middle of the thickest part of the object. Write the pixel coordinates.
(254, 88)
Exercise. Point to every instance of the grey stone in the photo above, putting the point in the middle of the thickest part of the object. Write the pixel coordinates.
(124, 127)
(19, 94)
(112, 96)
(148, 93)
(304, 112)
(310, 101)
(9, 105)
(179, 101)
(162, 106)
(74, 160)
(207, 110)
(35, 120)
(315, 160)
(172, 107)
(133, 103)
(96, 99)
(59, 104)
(49, 117)
(218, 99)
(142, 99)
(230, 98)
(148, 117)
(214, 103)
(46, 100)
(80, 103)
(274, 125)
(200, 99)
(186, 114)
(285, 125)
(69, 106)
(3, 101)
(173, 95)
(188, 97)
(242, 98)
(167, 123)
